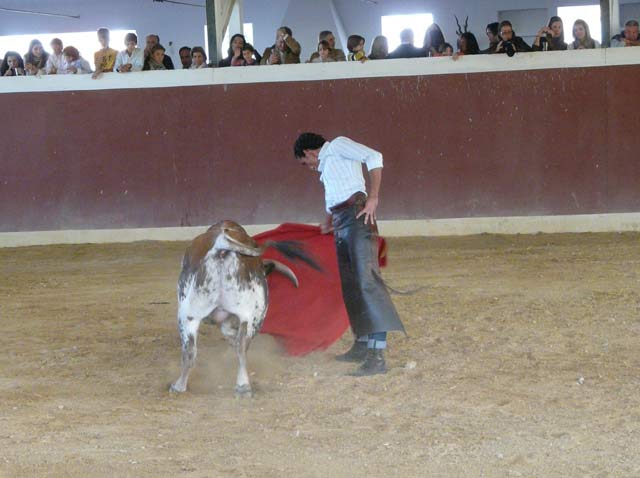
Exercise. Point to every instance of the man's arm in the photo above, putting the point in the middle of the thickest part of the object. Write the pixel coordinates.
(369, 210)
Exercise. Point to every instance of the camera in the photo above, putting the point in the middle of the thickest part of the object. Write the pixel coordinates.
(545, 41)
(509, 48)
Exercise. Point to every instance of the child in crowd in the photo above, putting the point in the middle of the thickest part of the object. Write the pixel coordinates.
(56, 64)
(248, 53)
(105, 58)
(355, 45)
(35, 61)
(75, 63)
(156, 58)
(132, 57)
(12, 65)
(198, 58)
(324, 52)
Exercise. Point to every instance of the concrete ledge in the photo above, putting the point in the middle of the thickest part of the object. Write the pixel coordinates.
(327, 71)
(623, 222)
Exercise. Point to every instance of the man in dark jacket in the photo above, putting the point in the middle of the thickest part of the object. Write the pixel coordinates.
(508, 38)
(406, 49)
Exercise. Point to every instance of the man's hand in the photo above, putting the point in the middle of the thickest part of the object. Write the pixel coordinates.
(369, 210)
(326, 227)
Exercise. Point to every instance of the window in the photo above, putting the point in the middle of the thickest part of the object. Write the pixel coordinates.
(85, 42)
(588, 13)
(248, 35)
(392, 25)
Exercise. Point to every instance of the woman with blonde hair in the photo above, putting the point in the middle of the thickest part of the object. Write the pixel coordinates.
(582, 37)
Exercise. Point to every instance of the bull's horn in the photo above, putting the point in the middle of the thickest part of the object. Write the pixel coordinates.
(271, 265)
(226, 242)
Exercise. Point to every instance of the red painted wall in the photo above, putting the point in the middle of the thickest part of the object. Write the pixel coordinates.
(539, 142)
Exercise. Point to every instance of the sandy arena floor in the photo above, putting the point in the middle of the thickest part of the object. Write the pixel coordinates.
(525, 351)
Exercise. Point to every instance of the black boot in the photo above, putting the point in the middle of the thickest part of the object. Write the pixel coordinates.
(373, 364)
(357, 353)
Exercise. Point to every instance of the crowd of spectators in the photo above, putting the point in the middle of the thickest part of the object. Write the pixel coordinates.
(286, 49)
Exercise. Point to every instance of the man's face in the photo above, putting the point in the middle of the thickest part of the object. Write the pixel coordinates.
(631, 33)
(130, 45)
(280, 44)
(56, 47)
(185, 58)
(151, 42)
(492, 38)
(310, 159)
(331, 40)
(103, 38)
(506, 32)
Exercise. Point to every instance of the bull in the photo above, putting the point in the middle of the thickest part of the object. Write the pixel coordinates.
(224, 280)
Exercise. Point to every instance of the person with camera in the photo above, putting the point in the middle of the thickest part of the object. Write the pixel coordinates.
(551, 37)
(286, 49)
(510, 43)
(12, 65)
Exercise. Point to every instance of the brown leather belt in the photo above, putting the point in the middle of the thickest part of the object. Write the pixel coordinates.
(352, 201)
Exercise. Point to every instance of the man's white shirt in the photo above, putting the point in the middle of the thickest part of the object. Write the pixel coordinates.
(340, 166)
(136, 59)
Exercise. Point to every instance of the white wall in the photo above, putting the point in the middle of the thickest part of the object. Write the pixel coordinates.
(183, 25)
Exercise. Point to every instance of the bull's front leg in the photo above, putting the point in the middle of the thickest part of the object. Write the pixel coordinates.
(188, 328)
(243, 387)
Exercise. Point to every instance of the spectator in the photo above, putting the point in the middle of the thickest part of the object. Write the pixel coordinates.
(105, 58)
(132, 57)
(510, 42)
(56, 63)
(12, 65)
(286, 49)
(156, 59)
(551, 37)
(335, 53)
(234, 57)
(468, 45)
(445, 50)
(324, 53)
(198, 58)
(248, 53)
(75, 63)
(186, 57)
(406, 48)
(355, 45)
(151, 41)
(629, 37)
(433, 39)
(379, 48)
(582, 37)
(493, 34)
(35, 61)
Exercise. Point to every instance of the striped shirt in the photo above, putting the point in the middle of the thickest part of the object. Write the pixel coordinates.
(340, 166)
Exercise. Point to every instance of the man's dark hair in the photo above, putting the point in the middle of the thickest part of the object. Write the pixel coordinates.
(307, 141)
(324, 34)
(631, 23)
(184, 48)
(353, 41)
(131, 37)
(494, 27)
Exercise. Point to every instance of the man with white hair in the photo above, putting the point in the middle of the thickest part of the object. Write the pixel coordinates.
(406, 48)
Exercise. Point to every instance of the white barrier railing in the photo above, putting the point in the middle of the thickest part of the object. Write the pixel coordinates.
(326, 71)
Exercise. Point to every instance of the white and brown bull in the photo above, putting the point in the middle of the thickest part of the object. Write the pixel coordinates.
(224, 280)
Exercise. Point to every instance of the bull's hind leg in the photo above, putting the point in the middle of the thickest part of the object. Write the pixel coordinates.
(188, 328)
(243, 387)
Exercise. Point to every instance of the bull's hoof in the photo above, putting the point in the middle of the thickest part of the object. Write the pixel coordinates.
(244, 391)
(175, 388)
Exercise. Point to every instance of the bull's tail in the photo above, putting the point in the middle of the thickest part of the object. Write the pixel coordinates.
(293, 250)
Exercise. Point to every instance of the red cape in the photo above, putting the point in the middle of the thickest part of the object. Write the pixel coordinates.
(313, 316)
